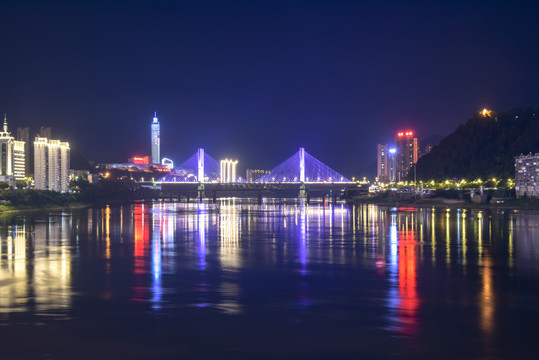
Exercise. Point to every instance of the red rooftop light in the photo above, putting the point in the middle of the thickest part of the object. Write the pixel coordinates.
(405, 133)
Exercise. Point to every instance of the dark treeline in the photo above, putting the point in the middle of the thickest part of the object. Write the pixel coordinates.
(85, 193)
(483, 148)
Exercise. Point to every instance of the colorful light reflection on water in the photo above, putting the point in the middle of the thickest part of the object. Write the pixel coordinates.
(341, 281)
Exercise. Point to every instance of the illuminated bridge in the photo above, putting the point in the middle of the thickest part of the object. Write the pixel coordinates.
(300, 175)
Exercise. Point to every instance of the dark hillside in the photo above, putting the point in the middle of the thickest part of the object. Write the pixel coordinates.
(484, 147)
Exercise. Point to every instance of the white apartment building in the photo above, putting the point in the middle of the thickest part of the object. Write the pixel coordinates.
(12, 156)
(228, 171)
(51, 164)
(527, 175)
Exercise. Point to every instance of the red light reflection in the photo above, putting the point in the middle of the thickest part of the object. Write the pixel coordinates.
(142, 235)
(409, 301)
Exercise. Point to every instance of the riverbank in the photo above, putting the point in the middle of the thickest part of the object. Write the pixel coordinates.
(28, 208)
(105, 192)
(510, 204)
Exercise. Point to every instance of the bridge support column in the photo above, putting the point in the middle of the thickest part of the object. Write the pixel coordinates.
(302, 192)
(201, 191)
(200, 159)
(302, 165)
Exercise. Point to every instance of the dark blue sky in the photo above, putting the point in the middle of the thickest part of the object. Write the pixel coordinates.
(256, 80)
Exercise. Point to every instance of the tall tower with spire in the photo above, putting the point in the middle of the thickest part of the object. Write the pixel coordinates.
(156, 140)
(5, 122)
(12, 156)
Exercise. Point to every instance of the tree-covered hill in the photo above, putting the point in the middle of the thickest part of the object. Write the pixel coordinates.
(484, 147)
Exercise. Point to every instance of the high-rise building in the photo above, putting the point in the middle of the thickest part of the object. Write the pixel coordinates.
(51, 164)
(382, 161)
(527, 175)
(386, 163)
(156, 140)
(23, 134)
(228, 170)
(19, 159)
(45, 132)
(407, 154)
(12, 159)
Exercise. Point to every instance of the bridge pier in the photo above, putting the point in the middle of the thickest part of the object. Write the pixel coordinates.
(201, 191)
(302, 192)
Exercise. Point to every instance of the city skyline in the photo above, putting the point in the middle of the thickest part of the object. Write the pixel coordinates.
(254, 82)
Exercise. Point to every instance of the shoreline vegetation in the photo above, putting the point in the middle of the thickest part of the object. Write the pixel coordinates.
(120, 191)
(84, 195)
(440, 201)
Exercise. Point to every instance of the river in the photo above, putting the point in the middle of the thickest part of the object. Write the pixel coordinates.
(285, 280)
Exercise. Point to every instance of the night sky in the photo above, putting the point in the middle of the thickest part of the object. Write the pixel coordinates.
(256, 80)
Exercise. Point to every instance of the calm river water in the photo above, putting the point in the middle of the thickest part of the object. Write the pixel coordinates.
(279, 280)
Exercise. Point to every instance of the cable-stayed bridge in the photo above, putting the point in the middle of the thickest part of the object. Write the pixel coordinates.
(300, 167)
(300, 175)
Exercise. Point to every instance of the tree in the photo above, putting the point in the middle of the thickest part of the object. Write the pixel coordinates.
(21, 184)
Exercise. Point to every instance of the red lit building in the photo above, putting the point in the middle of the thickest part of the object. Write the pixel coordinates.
(407, 147)
(139, 160)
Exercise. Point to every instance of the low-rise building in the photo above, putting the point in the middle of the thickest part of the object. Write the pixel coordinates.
(526, 175)
(254, 174)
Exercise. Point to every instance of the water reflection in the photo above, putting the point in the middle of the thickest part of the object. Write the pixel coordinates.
(35, 265)
(292, 259)
(527, 236)
(402, 297)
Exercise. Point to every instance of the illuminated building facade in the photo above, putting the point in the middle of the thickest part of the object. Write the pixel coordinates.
(168, 163)
(382, 160)
(251, 175)
(139, 160)
(156, 140)
(407, 154)
(527, 175)
(385, 157)
(51, 164)
(23, 134)
(12, 156)
(228, 171)
(19, 160)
